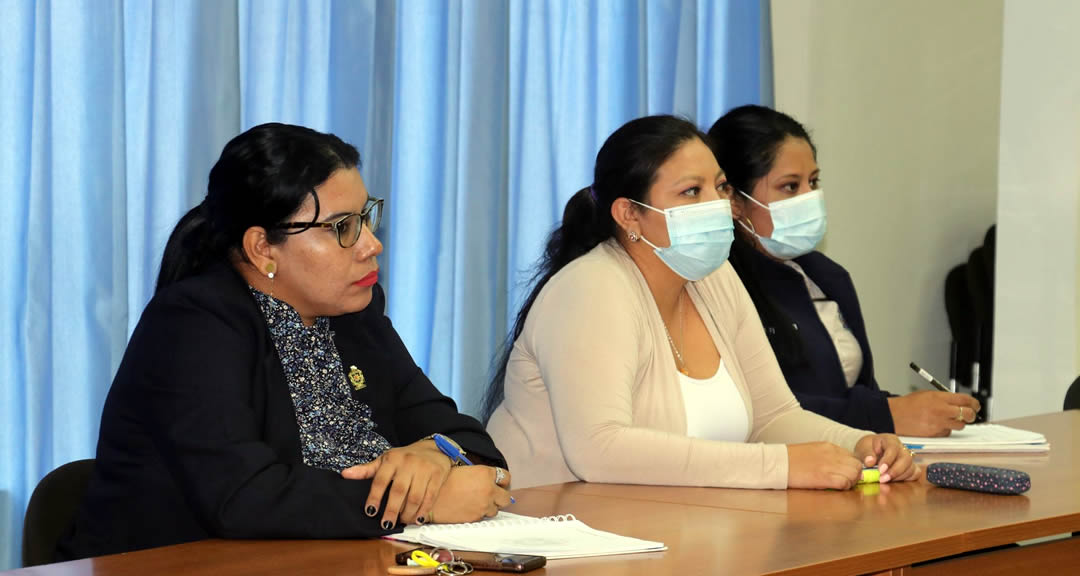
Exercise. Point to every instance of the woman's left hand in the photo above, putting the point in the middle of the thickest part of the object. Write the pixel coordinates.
(885, 451)
(414, 474)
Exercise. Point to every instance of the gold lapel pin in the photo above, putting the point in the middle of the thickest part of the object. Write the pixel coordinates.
(356, 377)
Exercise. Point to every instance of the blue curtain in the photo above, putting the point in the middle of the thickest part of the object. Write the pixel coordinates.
(477, 119)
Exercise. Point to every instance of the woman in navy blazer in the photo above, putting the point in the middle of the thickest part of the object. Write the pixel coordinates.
(806, 301)
(264, 393)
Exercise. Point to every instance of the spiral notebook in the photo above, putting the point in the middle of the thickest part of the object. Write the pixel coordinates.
(980, 438)
(554, 537)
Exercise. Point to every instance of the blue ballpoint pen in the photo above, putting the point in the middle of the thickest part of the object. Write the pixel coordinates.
(454, 453)
(450, 449)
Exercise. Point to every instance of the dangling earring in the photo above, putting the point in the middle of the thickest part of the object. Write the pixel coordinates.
(271, 270)
(632, 235)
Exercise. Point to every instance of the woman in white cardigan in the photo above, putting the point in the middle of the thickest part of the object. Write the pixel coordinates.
(639, 358)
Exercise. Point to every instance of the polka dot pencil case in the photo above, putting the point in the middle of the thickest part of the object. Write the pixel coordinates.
(978, 478)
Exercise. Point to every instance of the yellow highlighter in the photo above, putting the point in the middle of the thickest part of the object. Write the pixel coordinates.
(870, 476)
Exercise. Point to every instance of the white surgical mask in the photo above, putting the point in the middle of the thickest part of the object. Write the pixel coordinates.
(798, 224)
(700, 235)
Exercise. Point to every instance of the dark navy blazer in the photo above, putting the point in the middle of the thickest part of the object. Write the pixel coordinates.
(199, 436)
(818, 382)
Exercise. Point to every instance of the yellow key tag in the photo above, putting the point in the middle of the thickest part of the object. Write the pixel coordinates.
(424, 559)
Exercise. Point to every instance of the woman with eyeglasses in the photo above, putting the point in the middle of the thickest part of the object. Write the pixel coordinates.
(263, 393)
(806, 301)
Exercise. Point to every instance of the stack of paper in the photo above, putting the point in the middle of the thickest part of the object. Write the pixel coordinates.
(554, 537)
(980, 438)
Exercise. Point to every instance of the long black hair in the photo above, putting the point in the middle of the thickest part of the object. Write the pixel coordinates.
(626, 167)
(745, 142)
(263, 176)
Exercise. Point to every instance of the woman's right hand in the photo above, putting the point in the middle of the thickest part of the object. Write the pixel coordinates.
(931, 413)
(411, 477)
(470, 494)
(821, 465)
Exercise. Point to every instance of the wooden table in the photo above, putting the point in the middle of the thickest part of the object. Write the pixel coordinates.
(891, 529)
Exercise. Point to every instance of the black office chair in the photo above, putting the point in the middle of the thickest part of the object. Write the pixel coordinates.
(1072, 397)
(52, 510)
(961, 315)
(969, 307)
(980, 286)
(986, 354)
(986, 338)
(1072, 402)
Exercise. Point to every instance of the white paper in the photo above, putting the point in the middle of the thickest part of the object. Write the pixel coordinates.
(554, 537)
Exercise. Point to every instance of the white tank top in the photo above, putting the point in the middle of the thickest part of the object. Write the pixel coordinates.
(714, 407)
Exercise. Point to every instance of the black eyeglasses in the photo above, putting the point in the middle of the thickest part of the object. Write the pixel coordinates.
(349, 226)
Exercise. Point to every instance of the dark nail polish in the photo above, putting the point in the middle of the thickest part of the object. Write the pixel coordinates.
(420, 520)
(386, 524)
(370, 510)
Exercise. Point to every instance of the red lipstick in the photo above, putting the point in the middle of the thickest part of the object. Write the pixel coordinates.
(368, 280)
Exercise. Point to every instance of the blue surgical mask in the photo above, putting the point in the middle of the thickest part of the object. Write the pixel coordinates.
(700, 236)
(798, 224)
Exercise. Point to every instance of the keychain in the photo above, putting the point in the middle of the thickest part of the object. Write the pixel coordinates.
(424, 563)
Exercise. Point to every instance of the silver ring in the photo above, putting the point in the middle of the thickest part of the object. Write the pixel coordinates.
(500, 475)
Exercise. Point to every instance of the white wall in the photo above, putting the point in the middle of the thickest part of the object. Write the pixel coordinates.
(1037, 313)
(902, 99)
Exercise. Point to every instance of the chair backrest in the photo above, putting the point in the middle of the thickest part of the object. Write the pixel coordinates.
(52, 510)
(1072, 397)
(961, 315)
(969, 306)
(990, 253)
(981, 287)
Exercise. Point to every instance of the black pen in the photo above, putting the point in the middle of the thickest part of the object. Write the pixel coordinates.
(929, 378)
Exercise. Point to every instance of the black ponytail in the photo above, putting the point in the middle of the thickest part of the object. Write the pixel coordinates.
(745, 142)
(189, 247)
(626, 167)
(263, 176)
(582, 229)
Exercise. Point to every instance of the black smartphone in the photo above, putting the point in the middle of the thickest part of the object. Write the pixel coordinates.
(487, 560)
